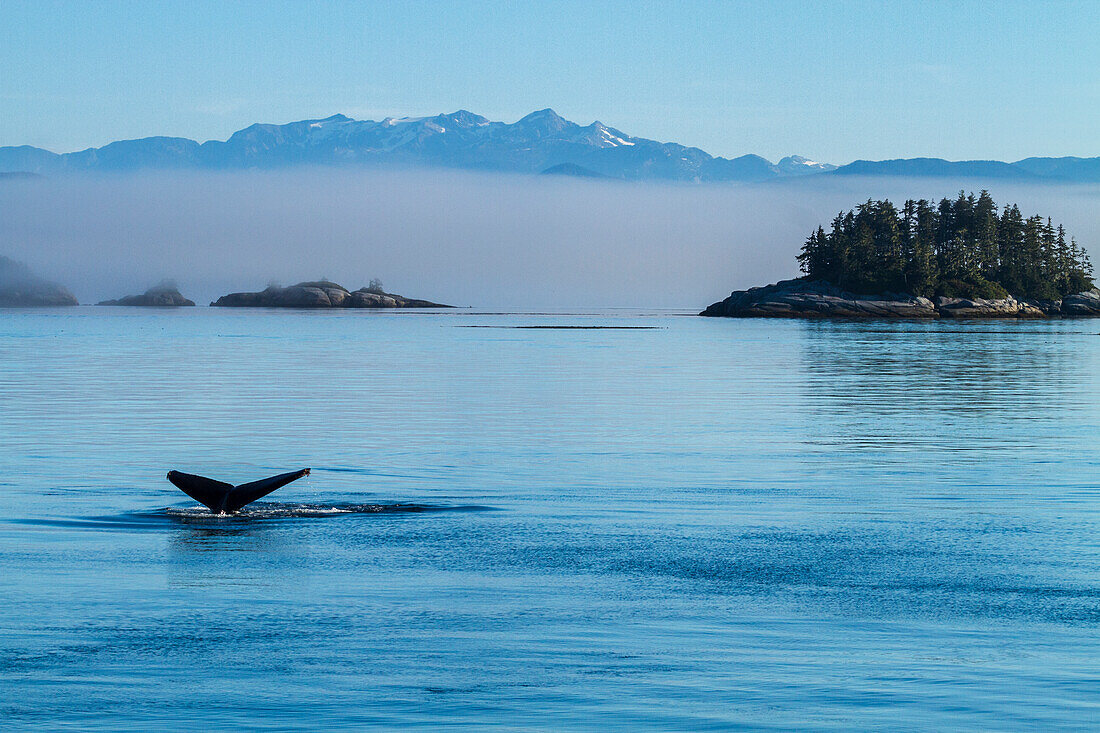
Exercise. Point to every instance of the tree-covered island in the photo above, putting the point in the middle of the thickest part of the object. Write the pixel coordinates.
(961, 257)
(959, 249)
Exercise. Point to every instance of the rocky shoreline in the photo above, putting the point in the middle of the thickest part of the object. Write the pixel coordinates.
(320, 294)
(802, 298)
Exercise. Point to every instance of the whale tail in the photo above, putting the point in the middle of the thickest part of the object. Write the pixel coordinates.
(224, 498)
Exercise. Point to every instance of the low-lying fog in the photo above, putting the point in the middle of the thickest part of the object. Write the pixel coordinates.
(490, 241)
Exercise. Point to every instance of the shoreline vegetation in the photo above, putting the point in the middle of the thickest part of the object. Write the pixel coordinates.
(961, 258)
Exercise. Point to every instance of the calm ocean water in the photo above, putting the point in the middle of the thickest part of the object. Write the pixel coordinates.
(703, 524)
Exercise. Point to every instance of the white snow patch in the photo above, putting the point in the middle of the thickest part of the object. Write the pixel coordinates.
(613, 140)
(394, 121)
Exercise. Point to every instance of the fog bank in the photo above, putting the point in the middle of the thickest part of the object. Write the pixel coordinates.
(490, 241)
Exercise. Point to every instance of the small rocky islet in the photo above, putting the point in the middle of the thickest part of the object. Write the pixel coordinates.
(165, 295)
(321, 294)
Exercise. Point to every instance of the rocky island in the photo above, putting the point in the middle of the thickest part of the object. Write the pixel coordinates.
(962, 258)
(19, 287)
(166, 294)
(803, 298)
(322, 294)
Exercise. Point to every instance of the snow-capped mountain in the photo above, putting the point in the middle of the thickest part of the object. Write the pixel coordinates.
(796, 165)
(542, 140)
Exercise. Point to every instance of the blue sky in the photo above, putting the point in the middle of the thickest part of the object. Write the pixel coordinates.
(835, 82)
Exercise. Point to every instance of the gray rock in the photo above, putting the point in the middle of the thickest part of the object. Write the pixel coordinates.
(163, 295)
(1032, 310)
(19, 287)
(336, 297)
(818, 299)
(245, 300)
(987, 308)
(298, 296)
(367, 299)
(1082, 304)
(1046, 307)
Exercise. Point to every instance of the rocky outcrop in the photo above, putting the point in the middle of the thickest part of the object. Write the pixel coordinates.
(320, 294)
(19, 287)
(1082, 304)
(1048, 307)
(988, 308)
(163, 295)
(820, 299)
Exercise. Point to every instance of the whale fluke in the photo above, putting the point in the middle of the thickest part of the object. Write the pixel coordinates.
(224, 498)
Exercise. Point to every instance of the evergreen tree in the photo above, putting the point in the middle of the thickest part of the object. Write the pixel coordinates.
(922, 275)
(985, 232)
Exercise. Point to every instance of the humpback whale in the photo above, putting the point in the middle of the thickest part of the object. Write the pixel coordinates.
(223, 498)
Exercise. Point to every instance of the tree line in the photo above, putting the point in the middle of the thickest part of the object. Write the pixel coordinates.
(964, 248)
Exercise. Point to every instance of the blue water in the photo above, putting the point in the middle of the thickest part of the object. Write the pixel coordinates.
(703, 524)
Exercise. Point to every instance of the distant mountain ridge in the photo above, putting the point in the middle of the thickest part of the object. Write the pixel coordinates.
(542, 141)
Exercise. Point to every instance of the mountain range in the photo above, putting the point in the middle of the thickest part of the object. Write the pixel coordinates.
(541, 142)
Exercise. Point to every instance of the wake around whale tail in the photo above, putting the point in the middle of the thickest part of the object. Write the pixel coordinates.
(223, 498)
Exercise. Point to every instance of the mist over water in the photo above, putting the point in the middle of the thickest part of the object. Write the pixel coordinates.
(485, 240)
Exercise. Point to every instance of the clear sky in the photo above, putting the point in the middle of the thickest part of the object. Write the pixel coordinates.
(834, 82)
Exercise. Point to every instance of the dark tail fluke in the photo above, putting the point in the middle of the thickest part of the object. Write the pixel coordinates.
(250, 492)
(222, 497)
(203, 490)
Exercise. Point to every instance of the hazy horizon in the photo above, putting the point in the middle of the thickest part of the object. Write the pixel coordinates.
(467, 239)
